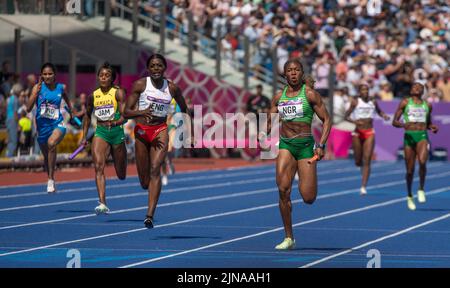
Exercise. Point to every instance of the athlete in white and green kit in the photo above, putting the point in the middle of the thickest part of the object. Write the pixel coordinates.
(416, 120)
(296, 105)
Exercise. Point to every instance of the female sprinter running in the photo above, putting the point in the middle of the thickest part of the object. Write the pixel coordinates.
(363, 138)
(108, 103)
(296, 105)
(152, 96)
(47, 94)
(416, 120)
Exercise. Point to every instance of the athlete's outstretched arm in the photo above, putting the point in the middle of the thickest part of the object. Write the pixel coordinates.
(273, 109)
(87, 117)
(350, 110)
(430, 125)
(34, 93)
(136, 90)
(380, 112)
(175, 91)
(401, 107)
(66, 99)
(120, 97)
(319, 107)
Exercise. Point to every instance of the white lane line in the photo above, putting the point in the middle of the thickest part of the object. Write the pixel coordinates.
(135, 176)
(184, 221)
(384, 185)
(441, 190)
(271, 170)
(443, 217)
(207, 186)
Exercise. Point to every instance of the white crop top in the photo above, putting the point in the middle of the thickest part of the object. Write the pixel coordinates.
(364, 110)
(158, 99)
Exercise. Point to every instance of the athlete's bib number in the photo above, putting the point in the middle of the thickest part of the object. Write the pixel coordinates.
(159, 109)
(290, 110)
(105, 113)
(49, 111)
(417, 115)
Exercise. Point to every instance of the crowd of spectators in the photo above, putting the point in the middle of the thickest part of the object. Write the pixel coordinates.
(388, 44)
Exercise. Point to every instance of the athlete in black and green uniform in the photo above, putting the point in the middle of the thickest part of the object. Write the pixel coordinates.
(296, 105)
(107, 103)
(416, 120)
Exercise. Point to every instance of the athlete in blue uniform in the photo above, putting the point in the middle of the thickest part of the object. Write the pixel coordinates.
(47, 95)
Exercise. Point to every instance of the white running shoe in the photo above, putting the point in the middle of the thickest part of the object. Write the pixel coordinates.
(164, 180)
(411, 204)
(421, 196)
(101, 209)
(287, 244)
(363, 191)
(51, 186)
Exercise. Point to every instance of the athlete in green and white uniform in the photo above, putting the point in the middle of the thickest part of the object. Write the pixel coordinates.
(416, 120)
(296, 105)
(107, 104)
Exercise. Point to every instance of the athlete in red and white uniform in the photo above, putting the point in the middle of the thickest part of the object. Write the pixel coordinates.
(362, 112)
(149, 103)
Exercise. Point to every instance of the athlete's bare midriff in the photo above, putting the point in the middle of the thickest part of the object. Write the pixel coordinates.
(295, 129)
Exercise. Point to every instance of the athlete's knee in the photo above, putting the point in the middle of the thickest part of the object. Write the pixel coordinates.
(309, 199)
(99, 168)
(358, 162)
(144, 183)
(309, 195)
(155, 170)
(284, 194)
(51, 146)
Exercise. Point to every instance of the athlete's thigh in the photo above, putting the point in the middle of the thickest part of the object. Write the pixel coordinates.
(422, 151)
(158, 149)
(286, 168)
(56, 137)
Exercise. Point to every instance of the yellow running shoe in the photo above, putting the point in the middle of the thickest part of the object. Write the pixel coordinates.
(287, 244)
(421, 196)
(411, 204)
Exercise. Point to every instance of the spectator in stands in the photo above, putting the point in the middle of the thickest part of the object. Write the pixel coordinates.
(79, 106)
(24, 129)
(258, 102)
(444, 85)
(12, 107)
(385, 94)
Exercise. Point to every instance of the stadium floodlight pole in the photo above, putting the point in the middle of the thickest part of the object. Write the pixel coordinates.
(72, 73)
(274, 71)
(190, 38)
(218, 51)
(162, 27)
(107, 16)
(331, 81)
(18, 50)
(135, 21)
(50, 10)
(45, 47)
(246, 61)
